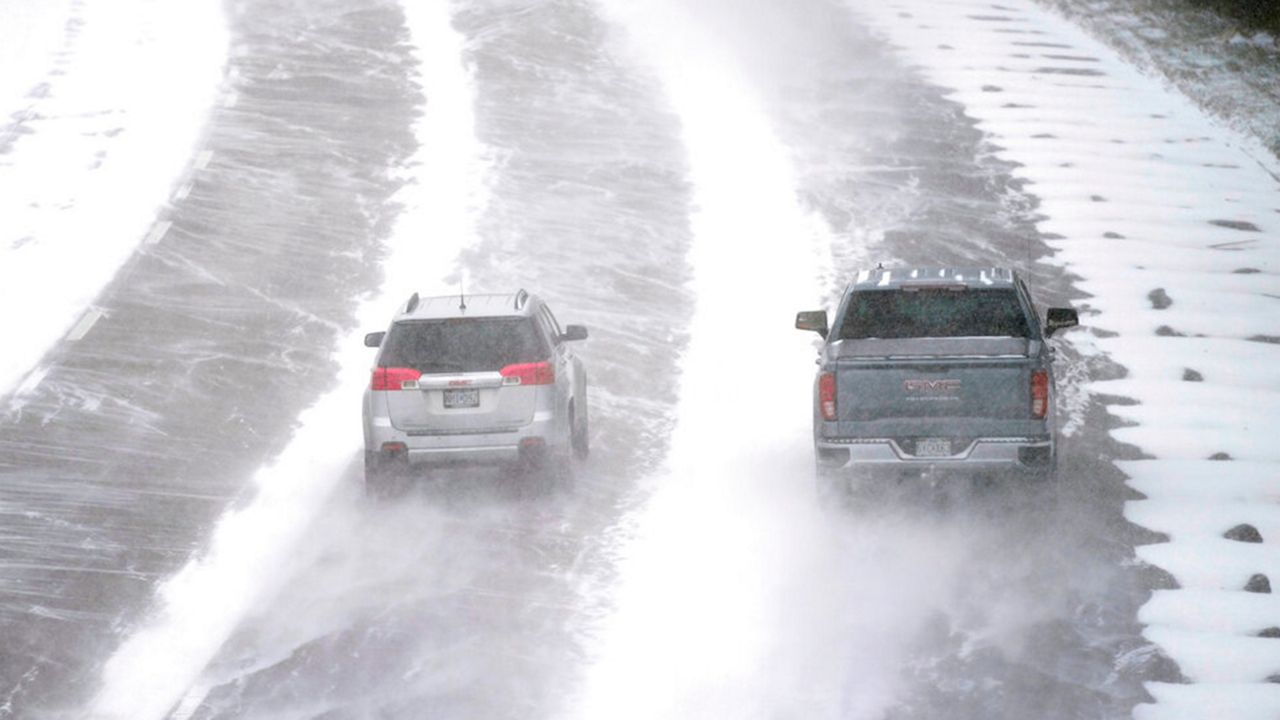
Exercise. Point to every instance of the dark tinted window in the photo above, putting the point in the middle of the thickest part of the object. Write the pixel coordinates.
(463, 345)
(934, 313)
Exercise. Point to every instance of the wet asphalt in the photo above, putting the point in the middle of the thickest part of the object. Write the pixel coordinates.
(466, 598)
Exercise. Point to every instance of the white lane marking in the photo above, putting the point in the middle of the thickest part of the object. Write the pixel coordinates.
(231, 100)
(32, 381)
(191, 702)
(183, 192)
(86, 324)
(158, 232)
(18, 400)
(202, 160)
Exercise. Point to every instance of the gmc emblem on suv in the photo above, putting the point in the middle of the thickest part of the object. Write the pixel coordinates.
(945, 386)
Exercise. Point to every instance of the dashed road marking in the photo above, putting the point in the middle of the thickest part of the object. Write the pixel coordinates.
(86, 324)
(183, 192)
(202, 160)
(231, 100)
(31, 381)
(158, 232)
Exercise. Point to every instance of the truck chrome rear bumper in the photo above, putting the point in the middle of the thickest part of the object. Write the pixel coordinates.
(991, 452)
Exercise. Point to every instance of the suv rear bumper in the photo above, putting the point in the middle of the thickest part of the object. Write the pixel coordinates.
(977, 454)
(489, 446)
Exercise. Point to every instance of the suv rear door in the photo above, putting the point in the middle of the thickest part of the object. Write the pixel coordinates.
(475, 373)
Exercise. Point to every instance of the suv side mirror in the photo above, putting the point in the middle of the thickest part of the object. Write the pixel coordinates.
(1058, 318)
(374, 339)
(815, 320)
(574, 332)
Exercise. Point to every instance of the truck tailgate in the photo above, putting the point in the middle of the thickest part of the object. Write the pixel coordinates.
(986, 378)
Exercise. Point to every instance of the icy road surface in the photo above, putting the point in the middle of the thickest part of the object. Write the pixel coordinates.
(180, 482)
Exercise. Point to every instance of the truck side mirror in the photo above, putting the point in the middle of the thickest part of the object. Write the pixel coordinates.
(815, 320)
(1058, 318)
(374, 339)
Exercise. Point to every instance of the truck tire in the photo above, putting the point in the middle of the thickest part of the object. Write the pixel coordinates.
(832, 486)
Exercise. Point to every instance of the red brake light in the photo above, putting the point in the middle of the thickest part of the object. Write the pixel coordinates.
(1039, 393)
(539, 373)
(393, 378)
(827, 395)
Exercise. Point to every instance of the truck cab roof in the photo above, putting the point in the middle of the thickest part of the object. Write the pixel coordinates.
(920, 277)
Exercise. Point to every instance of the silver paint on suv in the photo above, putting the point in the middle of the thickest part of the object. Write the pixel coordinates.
(480, 379)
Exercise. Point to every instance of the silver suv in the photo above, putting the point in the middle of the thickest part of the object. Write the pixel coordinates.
(480, 379)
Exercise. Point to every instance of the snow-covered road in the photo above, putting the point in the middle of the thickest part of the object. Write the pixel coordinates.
(105, 108)
(180, 486)
(1171, 223)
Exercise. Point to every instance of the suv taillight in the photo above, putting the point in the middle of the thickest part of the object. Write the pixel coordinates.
(827, 395)
(393, 378)
(539, 373)
(1039, 393)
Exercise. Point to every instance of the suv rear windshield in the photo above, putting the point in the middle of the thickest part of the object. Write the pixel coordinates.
(463, 344)
(934, 313)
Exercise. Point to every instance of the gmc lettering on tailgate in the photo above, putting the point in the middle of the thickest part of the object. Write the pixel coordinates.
(925, 389)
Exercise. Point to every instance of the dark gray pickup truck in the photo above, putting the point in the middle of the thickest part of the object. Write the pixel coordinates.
(932, 368)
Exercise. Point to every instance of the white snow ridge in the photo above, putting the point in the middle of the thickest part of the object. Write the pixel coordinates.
(1171, 222)
(156, 672)
(90, 153)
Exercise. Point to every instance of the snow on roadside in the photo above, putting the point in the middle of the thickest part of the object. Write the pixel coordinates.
(198, 608)
(1197, 48)
(1171, 223)
(90, 161)
(30, 37)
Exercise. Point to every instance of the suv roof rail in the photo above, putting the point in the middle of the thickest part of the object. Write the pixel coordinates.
(412, 304)
(522, 297)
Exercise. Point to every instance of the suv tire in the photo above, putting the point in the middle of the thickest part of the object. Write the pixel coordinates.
(580, 437)
(380, 479)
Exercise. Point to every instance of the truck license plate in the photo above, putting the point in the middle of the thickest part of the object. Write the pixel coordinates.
(933, 447)
(454, 399)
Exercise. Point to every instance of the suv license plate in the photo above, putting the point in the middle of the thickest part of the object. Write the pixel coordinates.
(454, 399)
(933, 447)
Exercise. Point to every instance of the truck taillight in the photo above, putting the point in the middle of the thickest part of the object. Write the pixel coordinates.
(827, 395)
(385, 378)
(539, 373)
(1039, 393)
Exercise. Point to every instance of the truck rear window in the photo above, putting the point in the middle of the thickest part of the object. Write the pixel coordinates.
(934, 313)
(463, 344)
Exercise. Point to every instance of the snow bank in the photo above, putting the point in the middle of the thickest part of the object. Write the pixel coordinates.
(1170, 221)
(93, 156)
(30, 38)
(202, 604)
